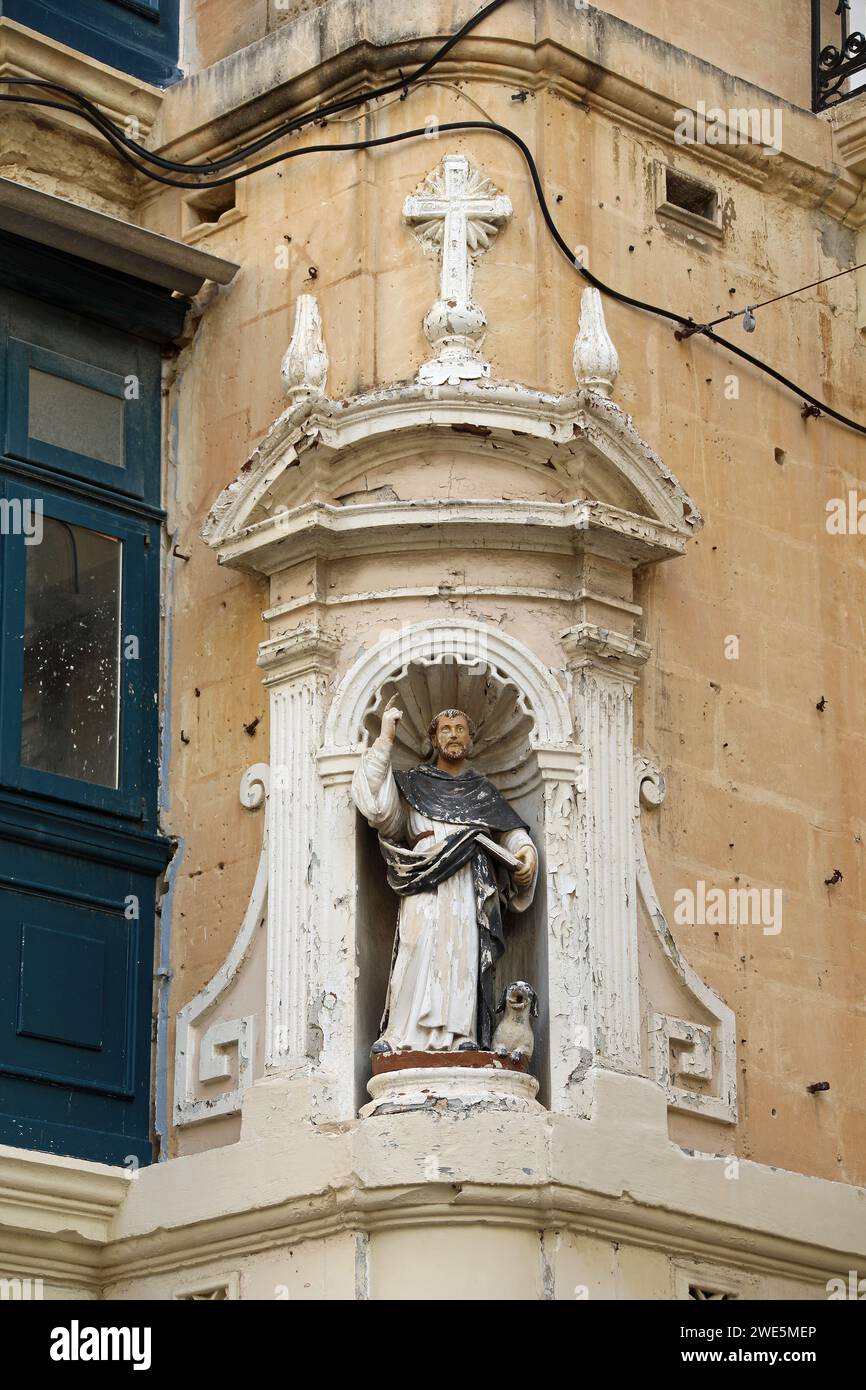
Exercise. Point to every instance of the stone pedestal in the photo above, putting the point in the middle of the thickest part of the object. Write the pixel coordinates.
(467, 1057)
(451, 1089)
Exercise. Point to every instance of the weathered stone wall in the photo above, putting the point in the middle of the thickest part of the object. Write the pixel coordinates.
(763, 44)
(765, 789)
(759, 44)
(215, 28)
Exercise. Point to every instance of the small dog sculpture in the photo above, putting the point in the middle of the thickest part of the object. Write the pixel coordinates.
(513, 1037)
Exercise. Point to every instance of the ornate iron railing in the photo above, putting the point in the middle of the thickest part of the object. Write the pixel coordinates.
(834, 64)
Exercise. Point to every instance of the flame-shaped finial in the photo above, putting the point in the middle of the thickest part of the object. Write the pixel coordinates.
(305, 365)
(596, 361)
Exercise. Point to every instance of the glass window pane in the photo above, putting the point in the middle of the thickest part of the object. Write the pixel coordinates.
(71, 700)
(75, 417)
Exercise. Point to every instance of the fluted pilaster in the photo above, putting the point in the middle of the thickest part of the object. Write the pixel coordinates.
(605, 667)
(298, 667)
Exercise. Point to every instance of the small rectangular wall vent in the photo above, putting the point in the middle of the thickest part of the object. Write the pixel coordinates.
(691, 196)
(212, 207)
(687, 201)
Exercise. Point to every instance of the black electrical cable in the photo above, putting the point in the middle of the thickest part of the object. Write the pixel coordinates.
(118, 137)
(121, 144)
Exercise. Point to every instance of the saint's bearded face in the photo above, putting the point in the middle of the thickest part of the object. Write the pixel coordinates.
(452, 738)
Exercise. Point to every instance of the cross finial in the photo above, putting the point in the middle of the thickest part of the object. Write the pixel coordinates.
(456, 212)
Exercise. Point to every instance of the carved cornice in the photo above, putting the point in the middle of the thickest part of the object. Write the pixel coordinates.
(251, 1196)
(587, 644)
(557, 764)
(387, 528)
(337, 765)
(26, 53)
(307, 652)
(561, 1207)
(59, 1198)
(705, 1230)
(581, 53)
(848, 121)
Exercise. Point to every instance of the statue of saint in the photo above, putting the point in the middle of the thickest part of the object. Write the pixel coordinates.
(442, 829)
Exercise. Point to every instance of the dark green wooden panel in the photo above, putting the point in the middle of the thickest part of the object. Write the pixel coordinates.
(148, 312)
(76, 984)
(80, 855)
(66, 991)
(135, 36)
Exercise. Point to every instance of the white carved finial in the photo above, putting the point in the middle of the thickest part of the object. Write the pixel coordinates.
(456, 213)
(305, 365)
(596, 362)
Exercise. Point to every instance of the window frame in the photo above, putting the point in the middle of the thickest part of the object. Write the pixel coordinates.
(136, 753)
(55, 845)
(22, 355)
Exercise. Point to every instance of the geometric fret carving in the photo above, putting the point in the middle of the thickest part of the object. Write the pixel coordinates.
(202, 1052)
(682, 1050)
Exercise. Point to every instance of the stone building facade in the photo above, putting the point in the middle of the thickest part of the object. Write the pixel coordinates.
(398, 445)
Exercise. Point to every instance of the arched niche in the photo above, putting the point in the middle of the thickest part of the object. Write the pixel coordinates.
(440, 641)
(519, 709)
(349, 507)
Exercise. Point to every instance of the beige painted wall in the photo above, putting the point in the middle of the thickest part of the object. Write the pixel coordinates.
(764, 789)
(767, 44)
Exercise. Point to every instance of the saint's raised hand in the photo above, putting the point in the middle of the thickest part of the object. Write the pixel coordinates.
(390, 719)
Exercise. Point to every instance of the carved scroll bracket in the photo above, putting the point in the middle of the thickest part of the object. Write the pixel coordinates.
(682, 1049)
(204, 1043)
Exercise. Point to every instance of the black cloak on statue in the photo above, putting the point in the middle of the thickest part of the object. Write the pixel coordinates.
(471, 802)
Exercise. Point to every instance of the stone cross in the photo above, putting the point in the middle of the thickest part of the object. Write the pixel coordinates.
(457, 213)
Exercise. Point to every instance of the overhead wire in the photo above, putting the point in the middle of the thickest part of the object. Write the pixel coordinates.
(777, 298)
(320, 115)
(90, 112)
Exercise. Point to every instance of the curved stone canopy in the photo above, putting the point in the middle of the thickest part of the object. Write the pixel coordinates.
(334, 475)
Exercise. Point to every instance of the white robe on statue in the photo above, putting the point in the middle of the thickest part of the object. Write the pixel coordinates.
(433, 991)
